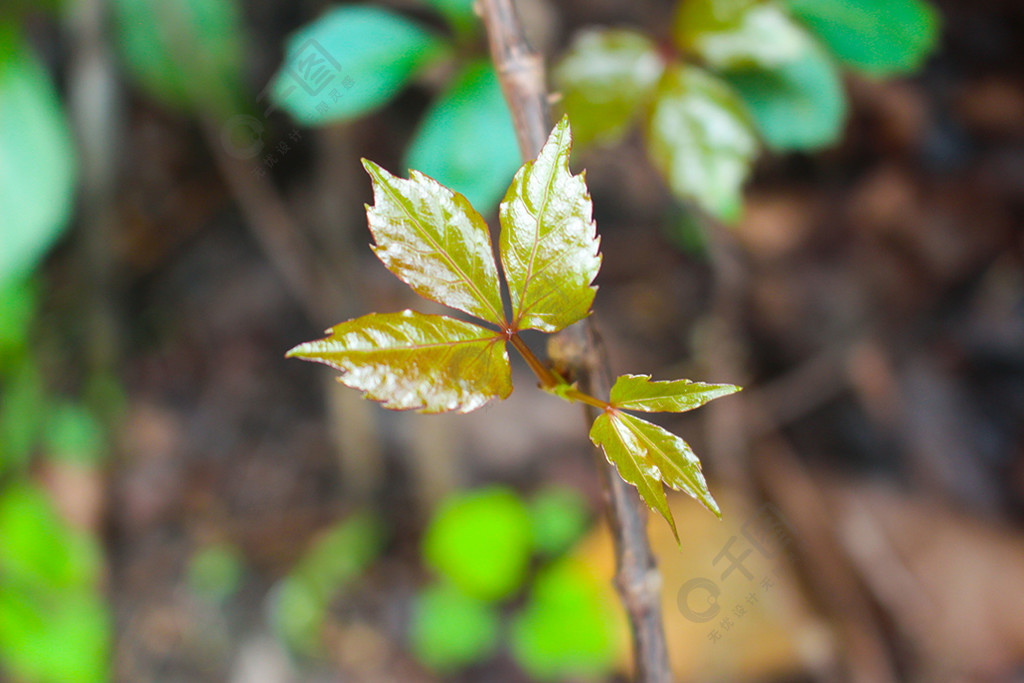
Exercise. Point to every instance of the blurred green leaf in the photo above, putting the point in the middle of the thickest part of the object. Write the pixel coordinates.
(638, 392)
(435, 242)
(466, 140)
(451, 630)
(350, 61)
(414, 361)
(38, 549)
(17, 308)
(22, 416)
(215, 572)
(558, 517)
(335, 559)
(701, 138)
(798, 106)
(186, 53)
(736, 34)
(550, 250)
(74, 435)
(877, 37)
(459, 14)
(567, 629)
(37, 161)
(605, 77)
(54, 638)
(480, 541)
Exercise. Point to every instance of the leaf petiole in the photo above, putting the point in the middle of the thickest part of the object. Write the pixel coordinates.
(549, 380)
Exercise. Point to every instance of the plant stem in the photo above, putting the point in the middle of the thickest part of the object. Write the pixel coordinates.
(546, 377)
(521, 73)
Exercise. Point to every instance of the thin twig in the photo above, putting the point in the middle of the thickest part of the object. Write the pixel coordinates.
(521, 73)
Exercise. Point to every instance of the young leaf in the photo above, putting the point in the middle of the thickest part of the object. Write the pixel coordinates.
(549, 243)
(877, 37)
(350, 61)
(413, 361)
(622, 449)
(466, 139)
(606, 76)
(37, 161)
(702, 139)
(728, 34)
(638, 392)
(799, 105)
(647, 455)
(434, 241)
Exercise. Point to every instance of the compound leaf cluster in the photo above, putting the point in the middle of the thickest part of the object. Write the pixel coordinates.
(434, 240)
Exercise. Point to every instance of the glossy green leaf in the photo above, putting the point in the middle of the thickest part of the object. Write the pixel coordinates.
(37, 161)
(187, 53)
(350, 61)
(480, 541)
(797, 106)
(731, 34)
(605, 77)
(451, 630)
(877, 37)
(701, 138)
(567, 630)
(413, 361)
(638, 392)
(459, 13)
(434, 241)
(647, 455)
(549, 243)
(466, 139)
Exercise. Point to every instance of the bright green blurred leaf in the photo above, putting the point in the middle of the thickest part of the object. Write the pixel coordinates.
(17, 308)
(54, 638)
(558, 517)
(567, 630)
(38, 549)
(434, 241)
(22, 416)
(186, 53)
(350, 61)
(800, 105)
(549, 243)
(466, 140)
(414, 361)
(74, 435)
(877, 37)
(647, 455)
(37, 161)
(451, 630)
(215, 572)
(638, 392)
(336, 558)
(701, 138)
(736, 34)
(459, 13)
(480, 541)
(605, 77)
